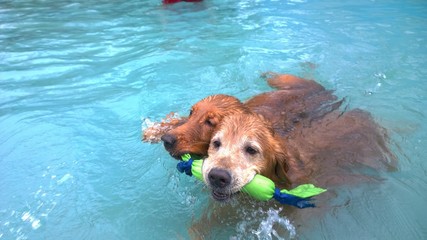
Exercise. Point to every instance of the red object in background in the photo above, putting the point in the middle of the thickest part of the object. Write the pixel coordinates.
(175, 1)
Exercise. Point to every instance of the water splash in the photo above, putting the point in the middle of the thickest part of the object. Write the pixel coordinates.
(267, 228)
(380, 77)
(264, 224)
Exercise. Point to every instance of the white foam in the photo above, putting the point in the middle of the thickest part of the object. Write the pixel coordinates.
(266, 230)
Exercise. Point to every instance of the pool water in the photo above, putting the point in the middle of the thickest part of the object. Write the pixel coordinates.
(78, 79)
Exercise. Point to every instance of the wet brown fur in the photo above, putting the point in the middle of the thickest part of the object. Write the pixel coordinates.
(319, 142)
(305, 135)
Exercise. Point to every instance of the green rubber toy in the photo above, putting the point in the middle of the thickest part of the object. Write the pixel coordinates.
(260, 188)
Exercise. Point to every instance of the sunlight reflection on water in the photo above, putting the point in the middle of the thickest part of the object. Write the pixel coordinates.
(77, 78)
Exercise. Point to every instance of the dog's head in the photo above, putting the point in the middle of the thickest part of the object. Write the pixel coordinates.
(194, 135)
(244, 145)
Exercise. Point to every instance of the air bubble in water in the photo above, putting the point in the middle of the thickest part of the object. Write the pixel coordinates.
(380, 75)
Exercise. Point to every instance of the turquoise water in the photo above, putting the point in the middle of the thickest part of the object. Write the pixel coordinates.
(78, 79)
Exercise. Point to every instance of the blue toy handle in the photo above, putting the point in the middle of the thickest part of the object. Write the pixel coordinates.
(185, 166)
(289, 199)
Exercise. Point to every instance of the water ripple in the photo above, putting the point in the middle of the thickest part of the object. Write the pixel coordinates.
(77, 77)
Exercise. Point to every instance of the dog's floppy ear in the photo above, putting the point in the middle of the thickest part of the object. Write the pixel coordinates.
(277, 155)
(213, 119)
(281, 166)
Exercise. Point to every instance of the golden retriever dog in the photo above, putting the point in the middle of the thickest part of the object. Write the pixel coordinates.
(301, 113)
(307, 135)
(337, 149)
(244, 145)
(296, 134)
(192, 134)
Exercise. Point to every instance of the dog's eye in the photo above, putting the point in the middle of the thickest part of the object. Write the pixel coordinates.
(209, 122)
(216, 144)
(251, 150)
(191, 112)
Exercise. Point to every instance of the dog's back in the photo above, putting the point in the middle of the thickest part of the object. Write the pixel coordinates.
(328, 145)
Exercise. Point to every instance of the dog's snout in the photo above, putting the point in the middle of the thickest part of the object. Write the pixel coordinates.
(219, 178)
(169, 140)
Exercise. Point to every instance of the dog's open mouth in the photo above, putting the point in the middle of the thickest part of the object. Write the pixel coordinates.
(178, 156)
(220, 196)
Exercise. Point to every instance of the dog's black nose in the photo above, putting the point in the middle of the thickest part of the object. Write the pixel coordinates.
(169, 141)
(219, 178)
